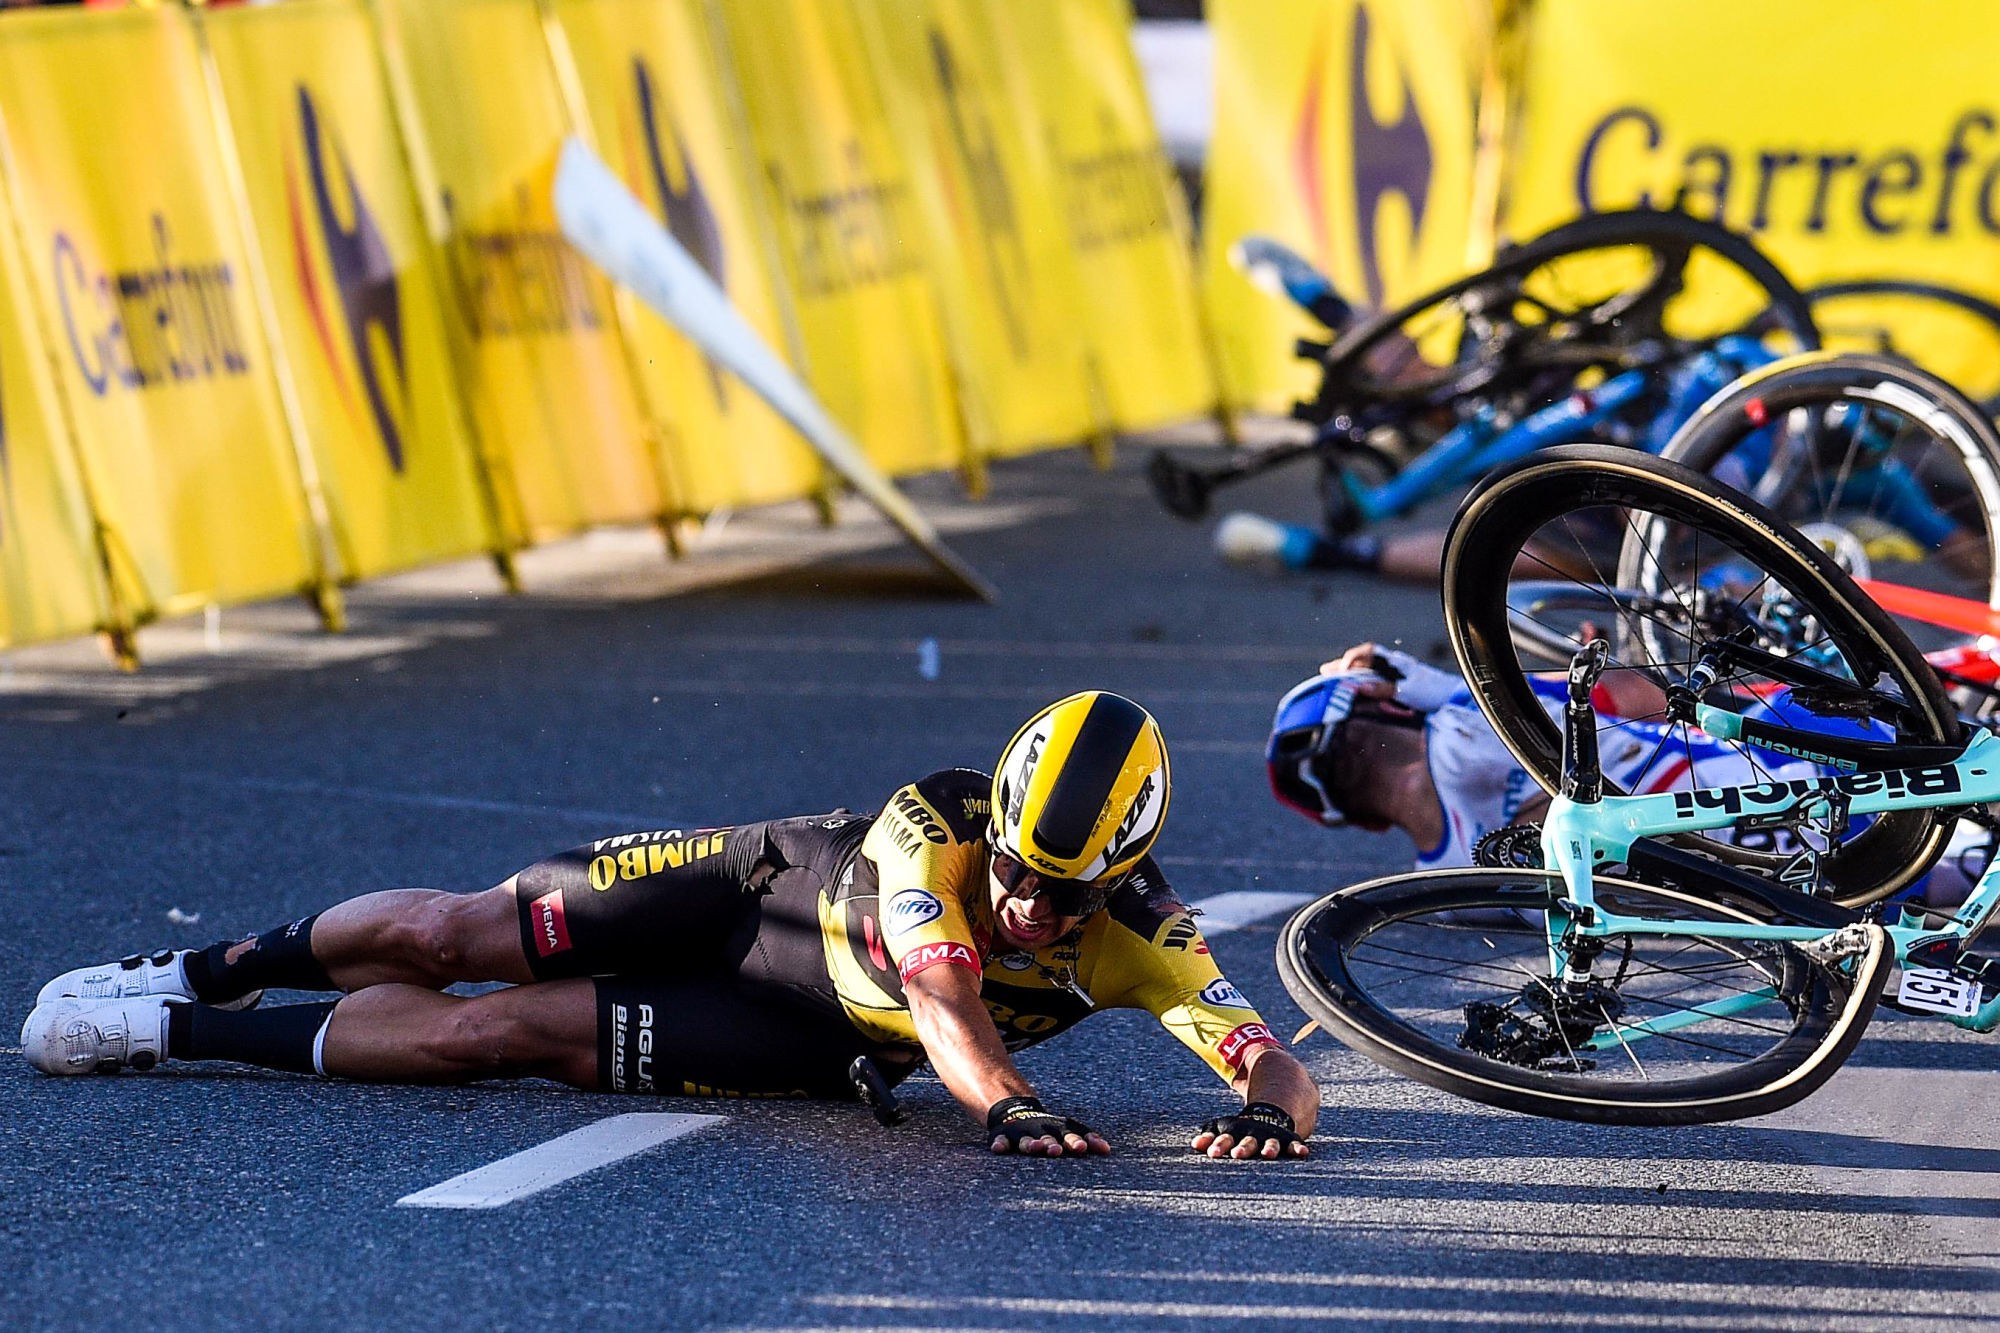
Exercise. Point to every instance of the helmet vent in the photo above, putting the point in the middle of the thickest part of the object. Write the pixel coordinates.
(1090, 773)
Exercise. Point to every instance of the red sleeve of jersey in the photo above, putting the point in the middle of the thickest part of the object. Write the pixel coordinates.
(1242, 1040)
(930, 955)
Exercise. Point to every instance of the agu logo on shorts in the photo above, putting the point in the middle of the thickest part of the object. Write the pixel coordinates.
(912, 908)
(364, 276)
(545, 917)
(1220, 992)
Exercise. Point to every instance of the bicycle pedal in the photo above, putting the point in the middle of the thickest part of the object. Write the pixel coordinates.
(875, 1092)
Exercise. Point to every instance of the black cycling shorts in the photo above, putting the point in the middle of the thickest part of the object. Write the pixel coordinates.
(709, 956)
(714, 1037)
(740, 901)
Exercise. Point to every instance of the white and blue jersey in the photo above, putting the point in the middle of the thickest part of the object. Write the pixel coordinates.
(1481, 787)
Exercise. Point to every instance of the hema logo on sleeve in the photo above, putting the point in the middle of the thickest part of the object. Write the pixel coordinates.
(912, 908)
(1942, 179)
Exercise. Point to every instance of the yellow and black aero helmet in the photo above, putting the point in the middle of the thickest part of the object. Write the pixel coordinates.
(1081, 790)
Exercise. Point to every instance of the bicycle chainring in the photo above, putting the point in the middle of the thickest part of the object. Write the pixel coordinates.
(1514, 847)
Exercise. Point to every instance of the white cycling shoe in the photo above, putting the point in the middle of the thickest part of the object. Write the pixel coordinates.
(71, 1036)
(158, 974)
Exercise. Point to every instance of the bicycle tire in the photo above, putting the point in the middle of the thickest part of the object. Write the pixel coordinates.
(1788, 308)
(1324, 963)
(1817, 379)
(1500, 520)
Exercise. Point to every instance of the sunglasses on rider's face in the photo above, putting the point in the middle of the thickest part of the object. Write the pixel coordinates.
(1069, 897)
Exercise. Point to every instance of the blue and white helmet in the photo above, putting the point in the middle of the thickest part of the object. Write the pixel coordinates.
(1302, 736)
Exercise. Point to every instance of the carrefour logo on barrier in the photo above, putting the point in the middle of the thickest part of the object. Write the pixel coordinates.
(912, 908)
(1389, 154)
(689, 216)
(860, 232)
(364, 275)
(1943, 181)
(1118, 194)
(168, 323)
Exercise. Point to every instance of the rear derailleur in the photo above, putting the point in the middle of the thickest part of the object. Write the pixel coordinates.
(1543, 1027)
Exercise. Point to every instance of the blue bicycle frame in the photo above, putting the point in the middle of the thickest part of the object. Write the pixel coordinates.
(1480, 444)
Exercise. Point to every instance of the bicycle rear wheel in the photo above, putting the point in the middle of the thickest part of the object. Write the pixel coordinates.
(1588, 296)
(1714, 571)
(1445, 977)
(1890, 466)
(1943, 329)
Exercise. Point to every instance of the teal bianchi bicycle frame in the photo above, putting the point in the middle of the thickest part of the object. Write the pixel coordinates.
(1580, 835)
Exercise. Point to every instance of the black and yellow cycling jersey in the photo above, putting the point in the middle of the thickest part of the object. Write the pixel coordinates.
(760, 959)
(918, 896)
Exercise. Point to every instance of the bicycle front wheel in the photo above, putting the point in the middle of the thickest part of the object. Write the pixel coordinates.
(1445, 977)
(1683, 568)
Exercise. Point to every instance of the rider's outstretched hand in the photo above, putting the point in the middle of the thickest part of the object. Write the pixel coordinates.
(1260, 1130)
(1021, 1125)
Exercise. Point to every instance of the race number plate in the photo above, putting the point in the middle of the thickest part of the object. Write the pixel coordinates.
(1938, 992)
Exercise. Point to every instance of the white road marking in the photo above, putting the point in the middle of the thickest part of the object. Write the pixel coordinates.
(535, 1169)
(1233, 911)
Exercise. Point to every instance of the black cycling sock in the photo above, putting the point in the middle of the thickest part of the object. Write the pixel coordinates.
(1362, 551)
(280, 1038)
(281, 958)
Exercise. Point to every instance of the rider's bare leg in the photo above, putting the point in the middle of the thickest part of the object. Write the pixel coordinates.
(422, 937)
(410, 1034)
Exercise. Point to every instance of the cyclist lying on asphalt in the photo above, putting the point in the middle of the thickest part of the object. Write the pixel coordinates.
(1381, 740)
(972, 917)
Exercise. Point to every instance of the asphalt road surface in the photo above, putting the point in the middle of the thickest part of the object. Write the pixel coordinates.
(259, 770)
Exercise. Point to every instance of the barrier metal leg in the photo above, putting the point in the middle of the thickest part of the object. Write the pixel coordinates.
(326, 599)
(121, 645)
(975, 475)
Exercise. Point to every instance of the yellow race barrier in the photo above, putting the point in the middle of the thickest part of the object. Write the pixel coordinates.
(1127, 223)
(544, 370)
(51, 573)
(987, 188)
(1871, 149)
(1343, 128)
(358, 311)
(138, 279)
(657, 109)
(849, 229)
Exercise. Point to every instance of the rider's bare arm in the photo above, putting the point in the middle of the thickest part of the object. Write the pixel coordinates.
(960, 1039)
(965, 1048)
(1273, 1075)
(1275, 1089)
